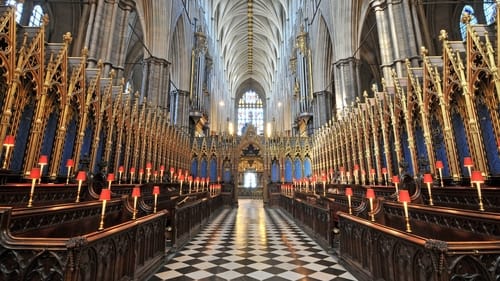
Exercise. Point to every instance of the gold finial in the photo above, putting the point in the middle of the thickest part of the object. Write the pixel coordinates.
(365, 95)
(466, 17)
(67, 37)
(99, 64)
(443, 35)
(45, 19)
(424, 51)
(374, 88)
(112, 74)
(85, 52)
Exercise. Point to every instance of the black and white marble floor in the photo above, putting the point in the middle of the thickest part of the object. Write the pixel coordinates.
(252, 243)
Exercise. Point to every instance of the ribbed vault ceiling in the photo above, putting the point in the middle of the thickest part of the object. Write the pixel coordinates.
(249, 34)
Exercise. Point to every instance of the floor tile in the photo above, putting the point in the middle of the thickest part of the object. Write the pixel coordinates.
(252, 243)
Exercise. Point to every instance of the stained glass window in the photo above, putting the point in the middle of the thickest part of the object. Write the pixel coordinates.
(19, 8)
(490, 11)
(36, 16)
(36, 13)
(250, 111)
(473, 20)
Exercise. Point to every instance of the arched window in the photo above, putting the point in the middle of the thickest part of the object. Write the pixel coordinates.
(36, 13)
(490, 11)
(463, 27)
(36, 16)
(250, 111)
(19, 9)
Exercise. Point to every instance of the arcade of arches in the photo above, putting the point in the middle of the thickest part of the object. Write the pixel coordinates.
(364, 122)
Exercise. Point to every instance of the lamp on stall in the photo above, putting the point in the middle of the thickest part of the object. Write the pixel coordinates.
(348, 193)
(104, 197)
(148, 171)
(428, 181)
(362, 179)
(323, 179)
(372, 175)
(370, 194)
(440, 166)
(80, 177)
(348, 176)
(155, 175)
(110, 179)
(384, 173)
(404, 197)
(120, 172)
(330, 172)
(8, 142)
(172, 171)
(181, 179)
(69, 164)
(156, 192)
(207, 180)
(132, 172)
(141, 172)
(218, 179)
(136, 192)
(395, 181)
(197, 182)
(342, 172)
(179, 172)
(162, 169)
(355, 173)
(468, 164)
(42, 161)
(34, 176)
(190, 180)
(477, 178)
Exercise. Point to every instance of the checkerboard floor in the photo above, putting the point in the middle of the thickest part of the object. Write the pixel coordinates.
(252, 243)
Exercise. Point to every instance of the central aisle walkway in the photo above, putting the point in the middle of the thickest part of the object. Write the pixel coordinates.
(252, 243)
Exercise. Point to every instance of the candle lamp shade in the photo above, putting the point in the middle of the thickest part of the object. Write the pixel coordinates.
(356, 167)
(439, 164)
(132, 170)
(148, 165)
(81, 176)
(111, 177)
(105, 194)
(172, 170)
(121, 169)
(162, 168)
(404, 196)
(43, 160)
(370, 193)
(181, 177)
(468, 162)
(35, 173)
(427, 178)
(141, 171)
(348, 191)
(477, 177)
(9, 141)
(341, 169)
(395, 179)
(156, 190)
(384, 170)
(136, 192)
(70, 163)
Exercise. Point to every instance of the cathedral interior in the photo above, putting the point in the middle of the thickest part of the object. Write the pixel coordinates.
(135, 132)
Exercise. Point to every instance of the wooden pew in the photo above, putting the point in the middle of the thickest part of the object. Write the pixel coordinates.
(128, 250)
(445, 244)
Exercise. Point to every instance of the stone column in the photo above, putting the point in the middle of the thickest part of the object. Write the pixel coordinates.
(322, 108)
(346, 82)
(384, 32)
(155, 80)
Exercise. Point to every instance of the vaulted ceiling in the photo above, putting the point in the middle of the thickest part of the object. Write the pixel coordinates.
(250, 35)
